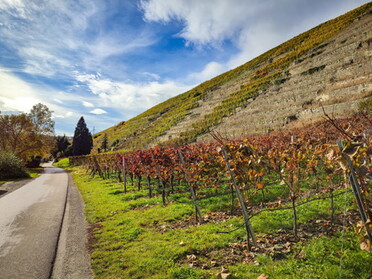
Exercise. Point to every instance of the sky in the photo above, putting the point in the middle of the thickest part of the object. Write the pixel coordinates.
(110, 60)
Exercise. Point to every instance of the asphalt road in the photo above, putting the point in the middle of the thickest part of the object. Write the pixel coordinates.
(31, 221)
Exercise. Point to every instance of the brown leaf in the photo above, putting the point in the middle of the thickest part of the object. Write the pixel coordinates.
(191, 257)
(365, 245)
(224, 275)
(224, 270)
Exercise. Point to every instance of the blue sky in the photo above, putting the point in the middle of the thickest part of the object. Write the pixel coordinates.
(110, 60)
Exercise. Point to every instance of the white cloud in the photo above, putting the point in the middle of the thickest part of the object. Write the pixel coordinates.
(253, 26)
(151, 75)
(87, 104)
(16, 94)
(211, 70)
(57, 101)
(98, 111)
(16, 7)
(131, 96)
(49, 36)
(205, 22)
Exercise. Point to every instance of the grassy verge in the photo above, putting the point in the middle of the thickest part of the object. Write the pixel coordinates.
(133, 236)
(62, 163)
(34, 172)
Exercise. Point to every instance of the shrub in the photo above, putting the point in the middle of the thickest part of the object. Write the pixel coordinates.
(11, 166)
(34, 162)
(366, 105)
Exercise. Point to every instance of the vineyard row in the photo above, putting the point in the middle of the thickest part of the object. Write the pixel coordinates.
(303, 162)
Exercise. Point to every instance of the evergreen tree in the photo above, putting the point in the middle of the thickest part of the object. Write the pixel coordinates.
(61, 145)
(82, 142)
(104, 144)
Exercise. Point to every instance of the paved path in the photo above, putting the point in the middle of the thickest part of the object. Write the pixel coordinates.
(31, 224)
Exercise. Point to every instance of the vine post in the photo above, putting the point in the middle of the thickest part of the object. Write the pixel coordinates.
(160, 178)
(124, 175)
(356, 190)
(194, 198)
(248, 226)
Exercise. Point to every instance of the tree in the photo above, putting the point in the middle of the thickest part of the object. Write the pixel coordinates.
(17, 135)
(41, 117)
(61, 146)
(27, 135)
(82, 142)
(104, 144)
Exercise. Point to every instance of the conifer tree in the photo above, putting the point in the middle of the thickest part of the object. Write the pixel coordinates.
(104, 144)
(82, 142)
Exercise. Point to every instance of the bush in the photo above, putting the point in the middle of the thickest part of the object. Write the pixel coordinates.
(366, 105)
(34, 162)
(11, 166)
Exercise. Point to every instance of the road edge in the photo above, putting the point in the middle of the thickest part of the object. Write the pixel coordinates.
(72, 258)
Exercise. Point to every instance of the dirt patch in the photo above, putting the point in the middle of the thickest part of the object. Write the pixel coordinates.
(212, 217)
(143, 207)
(93, 230)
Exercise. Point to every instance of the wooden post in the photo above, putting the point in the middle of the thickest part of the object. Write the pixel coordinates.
(248, 226)
(149, 186)
(356, 190)
(97, 167)
(124, 174)
(160, 179)
(192, 190)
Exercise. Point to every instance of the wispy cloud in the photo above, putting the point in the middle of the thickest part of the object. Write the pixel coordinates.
(130, 96)
(16, 95)
(87, 104)
(69, 35)
(20, 96)
(98, 111)
(254, 26)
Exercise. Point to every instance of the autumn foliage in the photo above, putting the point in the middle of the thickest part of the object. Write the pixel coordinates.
(28, 135)
(308, 156)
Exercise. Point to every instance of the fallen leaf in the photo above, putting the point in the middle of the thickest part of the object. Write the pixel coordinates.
(224, 275)
(224, 270)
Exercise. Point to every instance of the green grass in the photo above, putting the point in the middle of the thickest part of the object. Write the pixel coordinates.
(32, 172)
(319, 258)
(138, 237)
(62, 163)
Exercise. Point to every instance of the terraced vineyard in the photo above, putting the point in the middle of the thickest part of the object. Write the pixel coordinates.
(328, 66)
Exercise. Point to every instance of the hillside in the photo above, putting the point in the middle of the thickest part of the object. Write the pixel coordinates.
(328, 67)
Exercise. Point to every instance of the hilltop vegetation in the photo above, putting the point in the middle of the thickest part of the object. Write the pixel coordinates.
(253, 78)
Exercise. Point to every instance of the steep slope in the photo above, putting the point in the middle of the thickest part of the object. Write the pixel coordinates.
(328, 67)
